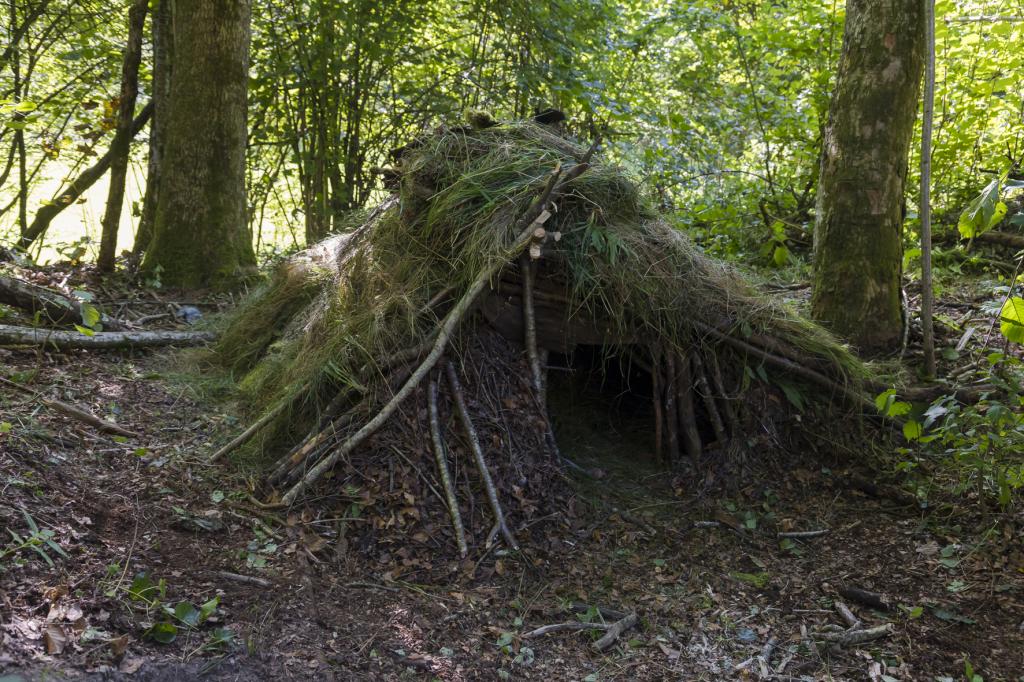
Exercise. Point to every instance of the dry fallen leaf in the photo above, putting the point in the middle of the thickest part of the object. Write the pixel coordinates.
(54, 639)
(119, 645)
(131, 665)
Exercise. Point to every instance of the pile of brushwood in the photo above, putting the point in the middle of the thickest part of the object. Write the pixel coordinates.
(415, 345)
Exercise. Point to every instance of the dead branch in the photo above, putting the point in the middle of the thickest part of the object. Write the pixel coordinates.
(604, 612)
(704, 389)
(246, 579)
(718, 384)
(244, 437)
(72, 411)
(851, 396)
(64, 340)
(56, 308)
(672, 418)
(851, 620)
(855, 637)
(458, 398)
(530, 326)
(872, 599)
(656, 399)
(690, 434)
(442, 468)
(574, 626)
(614, 632)
(803, 534)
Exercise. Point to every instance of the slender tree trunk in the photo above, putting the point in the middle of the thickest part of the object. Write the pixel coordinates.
(120, 148)
(927, 329)
(857, 235)
(200, 234)
(85, 180)
(162, 61)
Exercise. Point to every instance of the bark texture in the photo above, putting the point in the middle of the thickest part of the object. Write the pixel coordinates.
(200, 233)
(161, 87)
(857, 250)
(121, 146)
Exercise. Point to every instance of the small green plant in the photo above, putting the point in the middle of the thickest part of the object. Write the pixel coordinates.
(168, 619)
(259, 550)
(38, 540)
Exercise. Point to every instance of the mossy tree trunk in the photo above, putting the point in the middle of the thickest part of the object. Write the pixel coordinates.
(858, 230)
(200, 232)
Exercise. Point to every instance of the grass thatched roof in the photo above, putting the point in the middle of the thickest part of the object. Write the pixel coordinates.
(333, 314)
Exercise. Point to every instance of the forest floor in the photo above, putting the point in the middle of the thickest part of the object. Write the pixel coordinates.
(711, 582)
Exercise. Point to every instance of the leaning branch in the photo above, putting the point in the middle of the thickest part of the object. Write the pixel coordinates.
(478, 455)
(442, 469)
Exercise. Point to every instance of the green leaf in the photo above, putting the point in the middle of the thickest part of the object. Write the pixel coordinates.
(90, 315)
(911, 430)
(780, 256)
(1011, 319)
(207, 609)
(142, 588)
(984, 212)
(186, 613)
(793, 395)
(5, 427)
(25, 106)
(164, 633)
(217, 496)
(85, 330)
(220, 639)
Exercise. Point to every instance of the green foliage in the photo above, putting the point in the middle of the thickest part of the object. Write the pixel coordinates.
(169, 620)
(977, 447)
(38, 540)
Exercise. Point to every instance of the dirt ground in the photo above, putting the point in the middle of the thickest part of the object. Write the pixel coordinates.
(718, 593)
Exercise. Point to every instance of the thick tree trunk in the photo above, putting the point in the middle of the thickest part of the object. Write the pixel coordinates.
(857, 235)
(161, 92)
(200, 233)
(47, 212)
(121, 146)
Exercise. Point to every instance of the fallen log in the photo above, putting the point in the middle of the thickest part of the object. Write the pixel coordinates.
(55, 307)
(64, 340)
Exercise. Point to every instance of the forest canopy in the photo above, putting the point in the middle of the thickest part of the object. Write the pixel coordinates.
(719, 107)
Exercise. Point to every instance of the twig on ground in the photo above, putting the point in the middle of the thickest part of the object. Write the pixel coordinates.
(844, 611)
(606, 613)
(614, 632)
(854, 637)
(574, 626)
(872, 599)
(247, 579)
(72, 411)
(803, 534)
